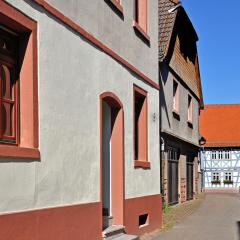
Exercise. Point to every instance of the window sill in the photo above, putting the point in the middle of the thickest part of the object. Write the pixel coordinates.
(144, 225)
(176, 114)
(117, 5)
(190, 123)
(141, 31)
(142, 164)
(19, 152)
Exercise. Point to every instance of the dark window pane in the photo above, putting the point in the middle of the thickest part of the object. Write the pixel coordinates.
(7, 82)
(7, 119)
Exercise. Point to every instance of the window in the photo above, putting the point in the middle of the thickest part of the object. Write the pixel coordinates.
(175, 97)
(18, 83)
(227, 154)
(140, 127)
(117, 5)
(190, 109)
(140, 21)
(228, 176)
(143, 220)
(216, 176)
(173, 154)
(220, 155)
(9, 86)
(214, 155)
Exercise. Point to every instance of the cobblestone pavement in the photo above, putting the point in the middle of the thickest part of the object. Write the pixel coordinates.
(217, 218)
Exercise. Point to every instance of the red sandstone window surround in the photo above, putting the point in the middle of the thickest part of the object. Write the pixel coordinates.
(117, 5)
(18, 82)
(140, 128)
(140, 18)
(190, 109)
(175, 97)
(9, 86)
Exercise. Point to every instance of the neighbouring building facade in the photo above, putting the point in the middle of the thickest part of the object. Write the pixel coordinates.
(220, 152)
(181, 101)
(79, 129)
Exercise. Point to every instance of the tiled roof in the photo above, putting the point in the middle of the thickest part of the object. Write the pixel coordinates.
(219, 125)
(166, 24)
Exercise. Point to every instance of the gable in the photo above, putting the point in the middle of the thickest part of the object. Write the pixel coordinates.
(182, 55)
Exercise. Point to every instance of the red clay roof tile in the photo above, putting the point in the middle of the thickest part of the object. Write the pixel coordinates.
(220, 125)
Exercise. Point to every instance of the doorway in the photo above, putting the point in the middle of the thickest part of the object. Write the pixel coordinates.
(190, 160)
(173, 157)
(112, 160)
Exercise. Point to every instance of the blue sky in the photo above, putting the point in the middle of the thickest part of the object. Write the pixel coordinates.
(217, 23)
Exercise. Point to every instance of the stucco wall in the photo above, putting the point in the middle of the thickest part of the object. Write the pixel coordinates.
(117, 32)
(72, 74)
(178, 127)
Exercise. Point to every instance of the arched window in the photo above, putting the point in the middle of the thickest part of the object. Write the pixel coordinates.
(8, 86)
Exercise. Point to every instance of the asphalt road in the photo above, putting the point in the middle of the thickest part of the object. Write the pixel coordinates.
(218, 218)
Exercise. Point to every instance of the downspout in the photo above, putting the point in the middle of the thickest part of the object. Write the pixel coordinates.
(162, 142)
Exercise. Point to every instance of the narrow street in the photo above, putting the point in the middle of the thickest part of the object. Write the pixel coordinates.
(218, 218)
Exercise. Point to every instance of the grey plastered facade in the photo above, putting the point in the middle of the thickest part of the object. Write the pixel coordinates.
(181, 176)
(72, 74)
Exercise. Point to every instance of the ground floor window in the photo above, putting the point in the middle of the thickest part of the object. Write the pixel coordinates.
(228, 176)
(216, 176)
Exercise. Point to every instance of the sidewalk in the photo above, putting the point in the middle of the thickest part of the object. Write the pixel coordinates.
(175, 214)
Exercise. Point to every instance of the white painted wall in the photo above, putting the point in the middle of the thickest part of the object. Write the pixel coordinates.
(222, 166)
(72, 75)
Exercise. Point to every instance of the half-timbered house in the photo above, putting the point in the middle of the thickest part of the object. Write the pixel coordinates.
(220, 152)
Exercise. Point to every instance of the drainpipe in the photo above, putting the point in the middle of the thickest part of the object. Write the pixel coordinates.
(162, 142)
(162, 158)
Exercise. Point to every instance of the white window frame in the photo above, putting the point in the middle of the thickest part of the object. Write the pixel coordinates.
(214, 155)
(216, 176)
(220, 155)
(228, 176)
(227, 154)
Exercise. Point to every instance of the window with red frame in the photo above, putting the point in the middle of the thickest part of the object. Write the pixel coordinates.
(8, 86)
(140, 124)
(141, 14)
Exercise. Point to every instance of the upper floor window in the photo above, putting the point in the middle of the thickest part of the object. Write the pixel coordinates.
(227, 154)
(220, 155)
(140, 18)
(117, 5)
(140, 125)
(175, 96)
(190, 109)
(9, 86)
(214, 155)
